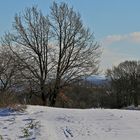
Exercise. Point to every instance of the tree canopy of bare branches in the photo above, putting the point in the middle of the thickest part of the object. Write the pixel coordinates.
(8, 69)
(56, 49)
(125, 81)
(75, 52)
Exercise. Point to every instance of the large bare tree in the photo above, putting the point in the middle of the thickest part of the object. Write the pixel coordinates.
(56, 50)
(76, 53)
(29, 43)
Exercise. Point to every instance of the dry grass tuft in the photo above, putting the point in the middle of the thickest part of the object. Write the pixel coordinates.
(18, 107)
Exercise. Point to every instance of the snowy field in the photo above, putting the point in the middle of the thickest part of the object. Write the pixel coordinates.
(44, 123)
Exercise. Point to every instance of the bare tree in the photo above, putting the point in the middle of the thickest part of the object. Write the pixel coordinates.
(8, 69)
(29, 43)
(76, 53)
(125, 79)
(53, 50)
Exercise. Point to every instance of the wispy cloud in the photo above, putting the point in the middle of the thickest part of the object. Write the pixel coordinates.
(133, 37)
(111, 58)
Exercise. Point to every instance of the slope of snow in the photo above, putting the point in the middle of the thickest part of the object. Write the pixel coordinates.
(44, 123)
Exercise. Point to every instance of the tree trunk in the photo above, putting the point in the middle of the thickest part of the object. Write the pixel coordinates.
(135, 99)
(53, 96)
(55, 92)
(43, 97)
(117, 100)
(53, 99)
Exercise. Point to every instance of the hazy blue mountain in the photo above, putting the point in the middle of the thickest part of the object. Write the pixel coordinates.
(97, 79)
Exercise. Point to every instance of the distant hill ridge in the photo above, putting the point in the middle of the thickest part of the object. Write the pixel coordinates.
(97, 79)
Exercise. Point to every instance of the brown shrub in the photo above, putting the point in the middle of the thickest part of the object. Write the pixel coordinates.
(8, 99)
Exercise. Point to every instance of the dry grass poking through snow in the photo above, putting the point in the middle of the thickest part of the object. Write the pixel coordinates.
(17, 107)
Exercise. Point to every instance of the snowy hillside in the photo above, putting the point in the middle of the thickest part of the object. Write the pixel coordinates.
(44, 123)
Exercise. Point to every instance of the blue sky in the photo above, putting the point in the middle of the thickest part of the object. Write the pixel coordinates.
(115, 23)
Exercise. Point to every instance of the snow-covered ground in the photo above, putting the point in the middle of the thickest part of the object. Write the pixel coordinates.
(44, 123)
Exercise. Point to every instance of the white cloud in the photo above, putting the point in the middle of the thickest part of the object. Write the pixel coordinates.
(111, 58)
(133, 37)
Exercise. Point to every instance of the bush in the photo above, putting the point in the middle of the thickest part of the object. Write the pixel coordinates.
(8, 99)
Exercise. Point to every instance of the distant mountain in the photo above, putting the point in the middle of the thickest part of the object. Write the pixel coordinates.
(97, 79)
